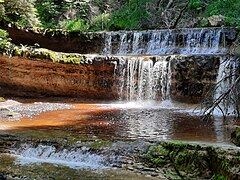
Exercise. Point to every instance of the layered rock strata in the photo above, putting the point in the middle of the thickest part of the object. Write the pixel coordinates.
(44, 72)
(31, 77)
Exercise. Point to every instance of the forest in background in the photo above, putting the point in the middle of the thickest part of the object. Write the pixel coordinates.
(96, 15)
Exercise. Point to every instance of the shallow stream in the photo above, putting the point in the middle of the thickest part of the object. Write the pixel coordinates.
(109, 127)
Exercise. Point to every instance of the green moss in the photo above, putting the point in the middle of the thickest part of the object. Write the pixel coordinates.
(45, 54)
(218, 177)
(191, 161)
(2, 99)
(98, 144)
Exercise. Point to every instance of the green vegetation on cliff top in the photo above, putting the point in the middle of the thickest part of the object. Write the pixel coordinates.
(45, 54)
(7, 48)
(94, 15)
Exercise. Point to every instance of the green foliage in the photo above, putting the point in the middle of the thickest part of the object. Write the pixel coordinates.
(48, 10)
(21, 12)
(94, 15)
(56, 14)
(219, 177)
(227, 8)
(196, 4)
(100, 22)
(130, 15)
(77, 25)
(4, 40)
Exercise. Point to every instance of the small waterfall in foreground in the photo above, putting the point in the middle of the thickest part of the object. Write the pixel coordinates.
(145, 79)
(161, 42)
(225, 86)
(78, 158)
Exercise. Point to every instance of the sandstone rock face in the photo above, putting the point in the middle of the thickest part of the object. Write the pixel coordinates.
(189, 77)
(193, 77)
(35, 77)
(129, 58)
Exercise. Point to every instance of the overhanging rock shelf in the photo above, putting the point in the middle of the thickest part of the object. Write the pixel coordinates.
(148, 65)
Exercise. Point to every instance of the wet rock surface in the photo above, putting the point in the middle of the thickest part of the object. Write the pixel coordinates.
(190, 77)
(135, 159)
(85, 43)
(14, 110)
(120, 156)
(193, 77)
(148, 160)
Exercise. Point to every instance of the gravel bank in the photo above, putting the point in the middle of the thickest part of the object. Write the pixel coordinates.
(14, 110)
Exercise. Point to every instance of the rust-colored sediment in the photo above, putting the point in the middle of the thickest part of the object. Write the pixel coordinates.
(79, 114)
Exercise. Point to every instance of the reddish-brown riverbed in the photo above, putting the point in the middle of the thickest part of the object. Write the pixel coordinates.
(111, 121)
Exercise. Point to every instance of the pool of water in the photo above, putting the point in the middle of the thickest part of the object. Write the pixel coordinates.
(124, 122)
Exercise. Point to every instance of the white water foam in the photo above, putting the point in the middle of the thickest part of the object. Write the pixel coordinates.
(166, 104)
(74, 158)
(225, 80)
(158, 42)
(145, 79)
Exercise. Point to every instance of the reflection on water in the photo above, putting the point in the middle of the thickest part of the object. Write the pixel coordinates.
(112, 122)
(164, 124)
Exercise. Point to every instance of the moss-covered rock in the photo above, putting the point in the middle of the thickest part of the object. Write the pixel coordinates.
(45, 54)
(190, 161)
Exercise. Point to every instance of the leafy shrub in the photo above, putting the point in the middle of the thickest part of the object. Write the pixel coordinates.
(21, 12)
(48, 10)
(230, 9)
(130, 15)
(100, 22)
(4, 41)
(196, 4)
(77, 25)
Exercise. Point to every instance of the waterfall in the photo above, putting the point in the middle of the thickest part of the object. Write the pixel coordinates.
(161, 42)
(108, 44)
(227, 76)
(144, 73)
(78, 158)
(145, 78)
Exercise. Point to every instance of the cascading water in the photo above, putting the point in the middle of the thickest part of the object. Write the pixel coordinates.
(161, 42)
(78, 158)
(225, 86)
(145, 79)
(145, 73)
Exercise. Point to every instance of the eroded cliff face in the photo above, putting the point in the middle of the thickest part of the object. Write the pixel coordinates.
(34, 77)
(194, 77)
(178, 77)
(178, 64)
